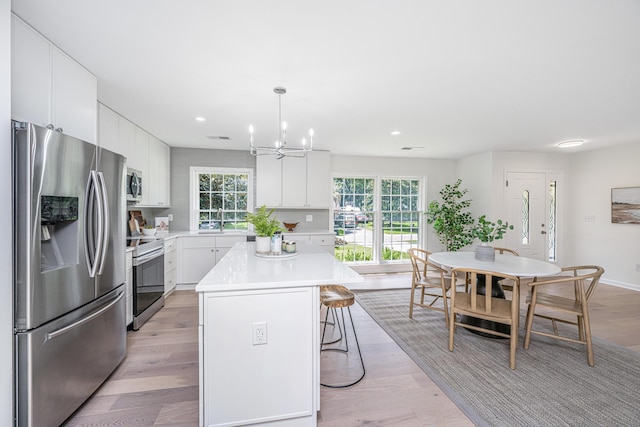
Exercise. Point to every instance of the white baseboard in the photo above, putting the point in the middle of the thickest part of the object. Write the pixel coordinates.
(625, 285)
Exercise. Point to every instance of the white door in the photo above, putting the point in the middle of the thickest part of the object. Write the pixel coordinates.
(526, 210)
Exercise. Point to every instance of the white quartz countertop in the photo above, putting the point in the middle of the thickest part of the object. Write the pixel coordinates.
(241, 269)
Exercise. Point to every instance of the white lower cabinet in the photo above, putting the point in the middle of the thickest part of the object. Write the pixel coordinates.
(271, 382)
(129, 287)
(326, 241)
(198, 254)
(170, 264)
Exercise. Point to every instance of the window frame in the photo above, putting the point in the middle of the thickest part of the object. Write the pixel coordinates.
(194, 189)
(378, 240)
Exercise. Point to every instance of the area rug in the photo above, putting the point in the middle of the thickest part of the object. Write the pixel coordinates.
(552, 385)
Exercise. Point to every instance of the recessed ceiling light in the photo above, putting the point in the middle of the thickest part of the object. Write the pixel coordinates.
(200, 119)
(395, 132)
(570, 143)
(411, 148)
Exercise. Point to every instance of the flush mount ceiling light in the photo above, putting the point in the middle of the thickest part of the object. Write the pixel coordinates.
(570, 143)
(280, 149)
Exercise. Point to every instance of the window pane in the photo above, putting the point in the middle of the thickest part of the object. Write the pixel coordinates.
(205, 181)
(205, 201)
(552, 220)
(525, 217)
(216, 182)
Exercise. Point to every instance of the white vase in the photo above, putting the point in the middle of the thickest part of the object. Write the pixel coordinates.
(263, 244)
(485, 252)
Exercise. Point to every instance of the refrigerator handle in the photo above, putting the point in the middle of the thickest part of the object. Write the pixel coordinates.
(58, 332)
(93, 246)
(104, 223)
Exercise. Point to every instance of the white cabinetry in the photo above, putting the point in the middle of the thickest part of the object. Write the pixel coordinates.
(198, 255)
(324, 240)
(158, 176)
(50, 88)
(170, 263)
(108, 136)
(234, 370)
(144, 152)
(293, 182)
(129, 287)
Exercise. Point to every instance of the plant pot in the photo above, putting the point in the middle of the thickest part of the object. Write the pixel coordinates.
(485, 253)
(263, 244)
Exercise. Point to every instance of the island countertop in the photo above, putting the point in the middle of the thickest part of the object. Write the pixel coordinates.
(242, 269)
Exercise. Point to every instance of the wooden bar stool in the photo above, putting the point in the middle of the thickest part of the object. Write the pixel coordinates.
(334, 297)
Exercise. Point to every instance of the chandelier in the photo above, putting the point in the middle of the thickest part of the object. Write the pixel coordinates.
(280, 149)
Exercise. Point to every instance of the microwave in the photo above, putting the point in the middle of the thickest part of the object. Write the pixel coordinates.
(134, 185)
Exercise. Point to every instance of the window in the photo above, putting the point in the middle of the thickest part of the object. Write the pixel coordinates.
(400, 217)
(220, 196)
(553, 217)
(376, 219)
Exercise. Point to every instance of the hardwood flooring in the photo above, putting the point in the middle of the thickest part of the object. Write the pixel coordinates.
(157, 383)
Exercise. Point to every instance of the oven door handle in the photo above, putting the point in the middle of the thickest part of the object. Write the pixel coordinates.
(147, 257)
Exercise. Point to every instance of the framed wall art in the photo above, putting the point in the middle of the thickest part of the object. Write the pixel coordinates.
(625, 205)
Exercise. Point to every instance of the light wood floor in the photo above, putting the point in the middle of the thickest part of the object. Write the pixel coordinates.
(157, 384)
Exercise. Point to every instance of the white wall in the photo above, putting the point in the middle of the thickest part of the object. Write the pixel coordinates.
(476, 173)
(616, 247)
(6, 273)
(438, 173)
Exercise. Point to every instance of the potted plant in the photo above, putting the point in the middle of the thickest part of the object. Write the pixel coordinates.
(451, 221)
(265, 226)
(487, 231)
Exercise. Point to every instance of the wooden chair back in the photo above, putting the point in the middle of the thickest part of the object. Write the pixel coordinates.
(583, 279)
(485, 307)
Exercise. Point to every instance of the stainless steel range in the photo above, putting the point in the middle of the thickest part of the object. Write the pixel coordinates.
(148, 277)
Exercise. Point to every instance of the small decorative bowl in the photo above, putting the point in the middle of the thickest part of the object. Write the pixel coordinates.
(149, 231)
(290, 225)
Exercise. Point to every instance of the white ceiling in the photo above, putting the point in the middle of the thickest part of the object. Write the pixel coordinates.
(456, 77)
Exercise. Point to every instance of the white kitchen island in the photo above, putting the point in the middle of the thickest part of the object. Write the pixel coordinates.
(259, 329)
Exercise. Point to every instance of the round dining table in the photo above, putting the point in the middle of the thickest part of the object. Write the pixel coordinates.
(518, 266)
(509, 264)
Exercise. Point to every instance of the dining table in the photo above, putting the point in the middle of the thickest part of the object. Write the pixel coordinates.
(519, 266)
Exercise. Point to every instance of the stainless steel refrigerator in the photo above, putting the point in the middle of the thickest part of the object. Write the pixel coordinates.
(69, 263)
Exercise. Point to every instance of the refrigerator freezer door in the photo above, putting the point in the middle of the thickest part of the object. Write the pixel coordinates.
(62, 363)
(51, 274)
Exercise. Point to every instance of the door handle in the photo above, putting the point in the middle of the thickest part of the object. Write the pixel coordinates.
(543, 232)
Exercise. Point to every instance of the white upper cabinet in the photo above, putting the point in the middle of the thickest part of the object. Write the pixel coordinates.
(319, 184)
(108, 136)
(293, 182)
(50, 88)
(158, 176)
(144, 152)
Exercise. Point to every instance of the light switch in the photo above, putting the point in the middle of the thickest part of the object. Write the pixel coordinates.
(309, 218)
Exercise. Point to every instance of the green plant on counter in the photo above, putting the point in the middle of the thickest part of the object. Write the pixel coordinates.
(452, 223)
(487, 231)
(263, 224)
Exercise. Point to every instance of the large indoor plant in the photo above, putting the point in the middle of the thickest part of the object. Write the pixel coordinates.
(451, 221)
(265, 227)
(487, 231)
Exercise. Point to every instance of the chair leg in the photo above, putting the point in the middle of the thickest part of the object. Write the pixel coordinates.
(446, 306)
(452, 328)
(336, 322)
(413, 290)
(530, 312)
(355, 336)
(587, 333)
